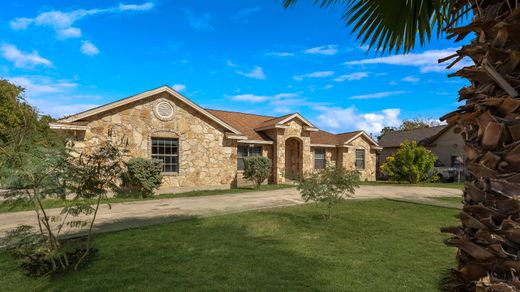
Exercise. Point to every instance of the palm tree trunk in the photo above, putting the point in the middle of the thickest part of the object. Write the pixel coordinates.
(489, 236)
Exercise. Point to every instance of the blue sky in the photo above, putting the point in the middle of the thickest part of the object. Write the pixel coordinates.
(252, 56)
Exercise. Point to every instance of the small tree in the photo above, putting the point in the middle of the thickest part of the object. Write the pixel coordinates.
(329, 186)
(411, 163)
(257, 169)
(145, 175)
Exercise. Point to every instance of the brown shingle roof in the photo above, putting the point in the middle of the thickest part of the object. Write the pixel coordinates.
(323, 137)
(344, 137)
(245, 123)
(273, 121)
(395, 138)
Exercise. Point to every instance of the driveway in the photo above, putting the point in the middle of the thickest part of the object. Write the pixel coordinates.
(142, 213)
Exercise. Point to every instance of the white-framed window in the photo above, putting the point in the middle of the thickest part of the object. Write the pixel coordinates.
(360, 158)
(319, 158)
(166, 150)
(246, 151)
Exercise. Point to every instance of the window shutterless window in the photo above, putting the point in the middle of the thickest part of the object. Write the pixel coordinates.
(166, 150)
(360, 158)
(319, 158)
(246, 151)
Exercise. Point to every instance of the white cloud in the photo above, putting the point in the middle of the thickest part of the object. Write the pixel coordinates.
(318, 74)
(199, 22)
(348, 119)
(280, 54)
(327, 50)
(231, 64)
(63, 22)
(23, 59)
(327, 86)
(378, 94)
(136, 7)
(426, 61)
(260, 98)
(21, 23)
(249, 97)
(411, 79)
(257, 73)
(179, 87)
(89, 49)
(60, 108)
(351, 76)
(244, 13)
(37, 86)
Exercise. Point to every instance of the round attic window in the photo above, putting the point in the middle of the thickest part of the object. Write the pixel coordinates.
(164, 110)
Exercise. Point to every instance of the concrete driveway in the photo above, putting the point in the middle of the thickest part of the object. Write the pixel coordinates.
(142, 213)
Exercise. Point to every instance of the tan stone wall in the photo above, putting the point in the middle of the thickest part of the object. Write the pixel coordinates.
(331, 156)
(267, 151)
(295, 130)
(349, 158)
(206, 158)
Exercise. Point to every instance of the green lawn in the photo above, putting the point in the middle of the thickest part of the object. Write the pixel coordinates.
(54, 203)
(455, 200)
(375, 245)
(453, 185)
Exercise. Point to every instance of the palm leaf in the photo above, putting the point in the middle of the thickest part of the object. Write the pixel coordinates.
(394, 25)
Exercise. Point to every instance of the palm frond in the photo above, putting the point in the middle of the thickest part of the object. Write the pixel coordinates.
(394, 25)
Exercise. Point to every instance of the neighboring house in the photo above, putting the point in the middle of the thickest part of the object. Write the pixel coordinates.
(202, 148)
(445, 141)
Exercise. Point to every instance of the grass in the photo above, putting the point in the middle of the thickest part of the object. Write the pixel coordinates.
(455, 200)
(375, 245)
(24, 205)
(453, 185)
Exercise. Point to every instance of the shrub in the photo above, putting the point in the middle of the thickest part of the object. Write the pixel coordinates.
(411, 163)
(257, 169)
(32, 254)
(145, 175)
(329, 186)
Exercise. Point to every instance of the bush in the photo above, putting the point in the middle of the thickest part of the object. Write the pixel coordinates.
(411, 163)
(145, 175)
(329, 186)
(31, 252)
(257, 169)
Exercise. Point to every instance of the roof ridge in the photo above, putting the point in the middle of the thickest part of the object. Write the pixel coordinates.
(438, 126)
(286, 115)
(358, 131)
(237, 112)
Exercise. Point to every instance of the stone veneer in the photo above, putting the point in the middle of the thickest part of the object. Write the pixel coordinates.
(206, 158)
(280, 136)
(348, 158)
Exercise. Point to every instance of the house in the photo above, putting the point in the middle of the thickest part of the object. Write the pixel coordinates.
(204, 148)
(445, 141)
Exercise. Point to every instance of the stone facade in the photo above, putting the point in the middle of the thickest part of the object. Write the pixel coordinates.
(349, 158)
(207, 153)
(206, 158)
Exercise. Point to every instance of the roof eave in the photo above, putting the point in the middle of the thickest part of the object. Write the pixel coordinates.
(146, 94)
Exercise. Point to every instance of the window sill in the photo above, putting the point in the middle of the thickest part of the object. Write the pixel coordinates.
(170, 173)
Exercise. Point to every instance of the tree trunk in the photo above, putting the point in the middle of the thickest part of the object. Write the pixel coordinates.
(489, 236)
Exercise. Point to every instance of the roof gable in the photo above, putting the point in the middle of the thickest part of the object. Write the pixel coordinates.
(279, 121)
(395, 138)
(143, 95)
(326, 138)
(346, 138)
